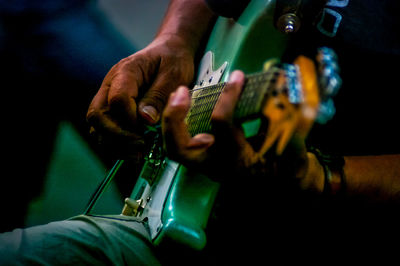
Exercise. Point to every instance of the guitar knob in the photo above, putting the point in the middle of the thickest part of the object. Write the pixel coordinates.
(288, 23)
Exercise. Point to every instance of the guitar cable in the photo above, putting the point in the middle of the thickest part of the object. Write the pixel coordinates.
(148, 133)
(103, 186)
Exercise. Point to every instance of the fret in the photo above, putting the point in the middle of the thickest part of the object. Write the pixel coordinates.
(255, 89)
(250, 102)
(203, 103)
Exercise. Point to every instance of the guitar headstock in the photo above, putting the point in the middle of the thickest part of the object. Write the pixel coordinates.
(326, 75)
(329, 83)
(301, 95)
(288, 97)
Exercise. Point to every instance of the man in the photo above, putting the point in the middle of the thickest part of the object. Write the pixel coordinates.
(236, 235)
(358, 172)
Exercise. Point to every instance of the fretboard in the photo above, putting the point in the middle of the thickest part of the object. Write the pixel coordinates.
(250, 102)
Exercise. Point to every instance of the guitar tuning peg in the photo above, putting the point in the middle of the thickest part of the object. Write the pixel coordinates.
(326, 54)
(292, 82)
(326, 111)
(328, 70)
(329, 82)
(330, 85)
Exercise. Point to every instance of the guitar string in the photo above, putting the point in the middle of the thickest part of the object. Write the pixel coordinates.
(204, 102)
(202, 108)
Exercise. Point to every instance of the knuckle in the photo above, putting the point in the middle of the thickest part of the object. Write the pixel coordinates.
(158, 98)
(117, 99)
(92, 115)
(182, 74)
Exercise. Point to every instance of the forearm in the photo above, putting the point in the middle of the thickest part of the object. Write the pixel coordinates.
(188, 20)
(374, 176)
(377, 177)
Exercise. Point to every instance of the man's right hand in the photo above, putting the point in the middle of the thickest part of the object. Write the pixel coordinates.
(135, 91)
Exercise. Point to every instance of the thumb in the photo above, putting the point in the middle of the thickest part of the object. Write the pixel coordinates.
(153, 102)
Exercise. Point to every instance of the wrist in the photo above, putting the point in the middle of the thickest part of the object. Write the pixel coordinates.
(175, 41)
(187, 20)
(334, 182)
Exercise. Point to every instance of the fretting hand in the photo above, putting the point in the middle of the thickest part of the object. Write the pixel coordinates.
(226, 150)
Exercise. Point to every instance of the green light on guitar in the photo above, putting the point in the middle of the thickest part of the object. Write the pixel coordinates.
(251, 127)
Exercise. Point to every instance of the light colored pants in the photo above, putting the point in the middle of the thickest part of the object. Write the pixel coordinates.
(82, 240)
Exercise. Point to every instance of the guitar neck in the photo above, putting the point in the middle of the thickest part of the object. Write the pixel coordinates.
(250, 102)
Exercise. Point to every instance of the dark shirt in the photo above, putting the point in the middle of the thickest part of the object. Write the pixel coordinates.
(364, 34)
(299, 225)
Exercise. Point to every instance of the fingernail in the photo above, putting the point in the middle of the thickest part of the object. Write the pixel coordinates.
(151, 112)
(205, 139)
(236, 76)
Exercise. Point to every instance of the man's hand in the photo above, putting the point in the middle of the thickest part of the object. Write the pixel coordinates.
(135, 91)
(226, 152)
(196, 151)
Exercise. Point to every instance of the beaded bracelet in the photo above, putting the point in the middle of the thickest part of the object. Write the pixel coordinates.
(331, 163)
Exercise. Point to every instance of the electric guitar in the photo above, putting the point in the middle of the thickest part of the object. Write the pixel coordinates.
(175, 202)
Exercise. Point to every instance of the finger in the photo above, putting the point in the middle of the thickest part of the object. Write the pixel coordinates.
(228, 142)
(96, 115)
(174, 128)
(270, 139)
(125, 80)
(101, 121)
(121, 98)
(224, 108)
(153, 102)
(99, 101)
(114, 106)
(247, 156)
(179, 144)
(201, 142)
(286, 135)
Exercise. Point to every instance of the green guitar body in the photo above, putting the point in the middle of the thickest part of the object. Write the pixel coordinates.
(243, 44)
